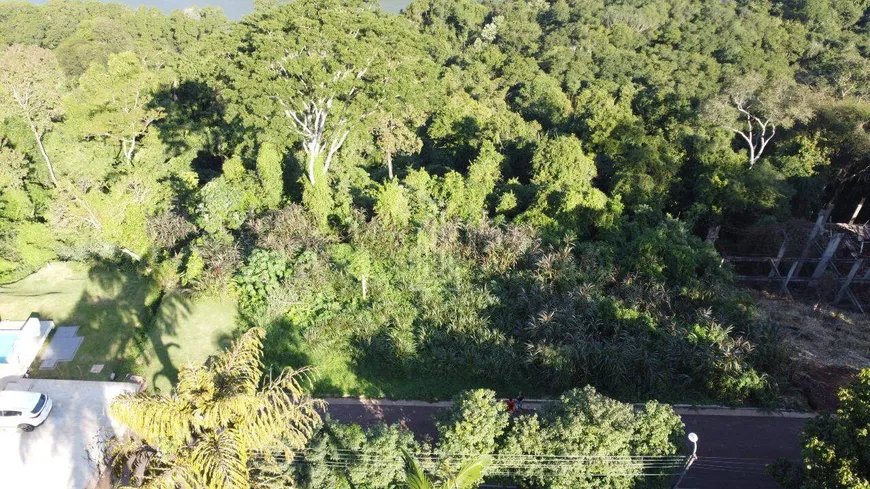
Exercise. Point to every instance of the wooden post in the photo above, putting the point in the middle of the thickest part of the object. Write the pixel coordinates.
(833, 244)
(712, 235)
(857, 210)
(779, 255)
(845, 287)
(796, 266)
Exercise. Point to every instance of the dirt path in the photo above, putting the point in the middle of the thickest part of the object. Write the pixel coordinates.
(734, 445)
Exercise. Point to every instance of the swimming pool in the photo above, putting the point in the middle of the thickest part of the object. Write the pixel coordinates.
(7, 345)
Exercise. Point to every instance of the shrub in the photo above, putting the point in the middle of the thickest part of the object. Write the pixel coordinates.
(475, 423)
(333, 443)
(584, 422)
(836, 449)
(259, 278)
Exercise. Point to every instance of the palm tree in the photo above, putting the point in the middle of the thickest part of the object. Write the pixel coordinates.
(220, 428)
(468, 475)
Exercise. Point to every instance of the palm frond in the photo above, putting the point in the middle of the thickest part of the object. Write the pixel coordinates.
(284, 414)
(222, 460)
(224, 411)
(176, 476)
(414, 476)
(195, 384)
(161, 421)
(239, 368)
(204, 435)
(469, 474)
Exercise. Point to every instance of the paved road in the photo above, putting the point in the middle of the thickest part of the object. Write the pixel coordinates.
(58, 454)
(732, 450)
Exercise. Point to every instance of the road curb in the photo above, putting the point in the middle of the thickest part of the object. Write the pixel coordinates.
(681, 409)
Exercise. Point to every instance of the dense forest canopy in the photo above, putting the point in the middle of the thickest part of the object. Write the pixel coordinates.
(488, 192)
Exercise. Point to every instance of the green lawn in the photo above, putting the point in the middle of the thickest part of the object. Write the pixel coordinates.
(186, 331)
(109, 305)
(126, 324)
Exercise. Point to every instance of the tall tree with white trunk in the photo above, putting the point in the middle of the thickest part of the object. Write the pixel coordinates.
(312, 73)
(114, 102)
(754, 107)
(31, 84)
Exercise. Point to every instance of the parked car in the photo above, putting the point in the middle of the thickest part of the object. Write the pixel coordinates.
(22, 409)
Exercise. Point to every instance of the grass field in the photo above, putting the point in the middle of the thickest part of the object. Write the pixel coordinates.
(126, 324)
(186, 331)
(110, 306)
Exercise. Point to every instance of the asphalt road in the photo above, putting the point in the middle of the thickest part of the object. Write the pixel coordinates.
(732, 451)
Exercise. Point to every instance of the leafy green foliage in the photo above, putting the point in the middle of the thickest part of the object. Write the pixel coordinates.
(476, 433)
(466, 194)
(271, 174)
(113, 102)
(836, 449)
(260, 277)
(566, 199)
(473, 425)
(382, 442)
(220, 416)
(584, 422)
(467, 476)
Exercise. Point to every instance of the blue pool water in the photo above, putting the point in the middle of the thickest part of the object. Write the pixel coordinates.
(7, 342)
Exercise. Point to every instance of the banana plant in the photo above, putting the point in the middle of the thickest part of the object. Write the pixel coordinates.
(468, 475)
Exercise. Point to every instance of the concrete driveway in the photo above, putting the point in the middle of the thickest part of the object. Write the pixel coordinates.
(57, 453)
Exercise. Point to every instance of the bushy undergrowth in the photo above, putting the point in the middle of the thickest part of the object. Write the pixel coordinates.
(645, 312)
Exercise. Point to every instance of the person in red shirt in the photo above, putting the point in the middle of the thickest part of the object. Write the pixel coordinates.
(511, 405)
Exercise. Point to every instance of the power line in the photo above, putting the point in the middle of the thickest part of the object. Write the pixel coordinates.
(506, 464)
(509, 465)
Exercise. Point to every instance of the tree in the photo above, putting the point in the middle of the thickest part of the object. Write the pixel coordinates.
(358, 263)
(393, 136)
(93, 41)
(219, 428)
(753, 107)
(317, 70)
(13, 169)
(392, 205)
(584, 422)
(468, 475)
(466, 197)
(474, 424)
(566, 200)
(380, 442)
(271, 173)
(30, 88)
(836, 449)
(114, 102)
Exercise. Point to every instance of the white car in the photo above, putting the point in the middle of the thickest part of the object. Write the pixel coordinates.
(23, 409)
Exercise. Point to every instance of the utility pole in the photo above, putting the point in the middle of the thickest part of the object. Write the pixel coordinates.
(694, 439)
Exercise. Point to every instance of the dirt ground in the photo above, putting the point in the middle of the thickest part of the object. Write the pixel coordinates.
(828, 345)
